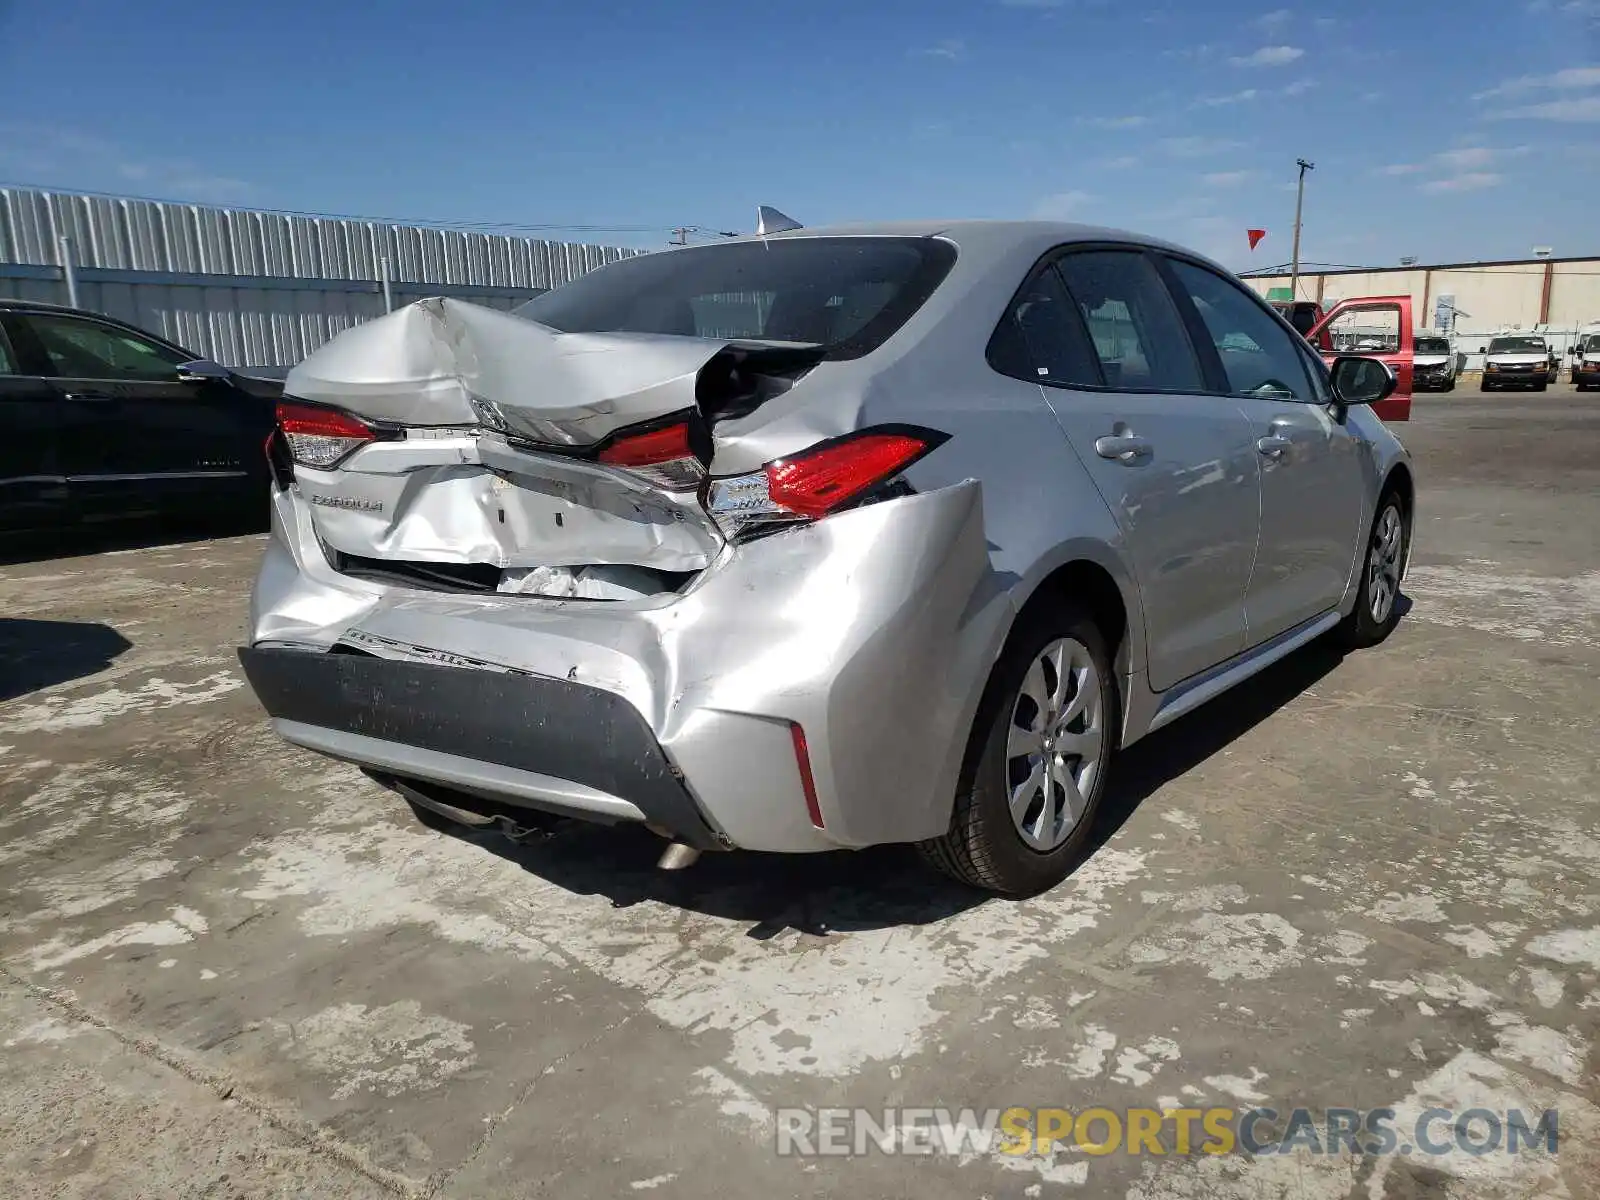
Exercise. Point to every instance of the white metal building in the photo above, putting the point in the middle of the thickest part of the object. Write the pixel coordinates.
(1470, 301)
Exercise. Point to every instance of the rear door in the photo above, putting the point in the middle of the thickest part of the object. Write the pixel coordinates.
(135, 438)
(1311, 478)
(33, 487)
(1375, 327)
(1174, 464)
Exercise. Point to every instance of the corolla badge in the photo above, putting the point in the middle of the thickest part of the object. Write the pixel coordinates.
(350, 503)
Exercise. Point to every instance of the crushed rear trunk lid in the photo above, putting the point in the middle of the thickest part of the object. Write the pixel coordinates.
(495, 422)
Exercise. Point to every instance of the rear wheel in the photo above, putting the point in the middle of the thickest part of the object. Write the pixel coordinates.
(1377, 609)
(1036, 761)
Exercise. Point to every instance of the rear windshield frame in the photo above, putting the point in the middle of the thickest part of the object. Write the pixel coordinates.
(937, 256)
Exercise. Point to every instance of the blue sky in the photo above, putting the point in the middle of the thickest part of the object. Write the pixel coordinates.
(1444, 130)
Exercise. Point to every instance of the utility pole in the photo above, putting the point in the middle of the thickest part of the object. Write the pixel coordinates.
(1299, 204)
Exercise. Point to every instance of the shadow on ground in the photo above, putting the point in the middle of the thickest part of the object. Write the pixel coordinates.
(880, 887)
(40, 654)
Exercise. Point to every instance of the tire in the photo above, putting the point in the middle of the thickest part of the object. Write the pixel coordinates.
(985, 847)
(1385, 553)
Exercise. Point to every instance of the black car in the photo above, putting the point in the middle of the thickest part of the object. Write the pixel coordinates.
(101, 420)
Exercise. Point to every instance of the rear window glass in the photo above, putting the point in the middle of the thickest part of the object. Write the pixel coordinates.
(846, 293)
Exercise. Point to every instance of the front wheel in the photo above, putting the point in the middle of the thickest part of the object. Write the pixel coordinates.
(1037, 759)
(1377, 609)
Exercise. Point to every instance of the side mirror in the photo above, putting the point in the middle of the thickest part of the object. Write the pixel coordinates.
(203, 370)
(1362, 380)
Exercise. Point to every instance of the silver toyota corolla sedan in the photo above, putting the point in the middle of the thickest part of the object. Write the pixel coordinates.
(817, 540)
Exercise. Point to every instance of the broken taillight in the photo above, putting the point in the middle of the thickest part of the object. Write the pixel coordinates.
(662, 456)
(818, 481)
(321, 437)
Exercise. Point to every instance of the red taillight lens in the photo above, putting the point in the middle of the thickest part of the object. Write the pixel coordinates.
(817, 482)
(648, 449)
(321, 437)
(662, 456)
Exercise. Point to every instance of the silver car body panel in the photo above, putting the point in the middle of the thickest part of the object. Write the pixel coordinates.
(873, 630)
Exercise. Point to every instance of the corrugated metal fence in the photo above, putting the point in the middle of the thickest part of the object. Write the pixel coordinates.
(259, 288)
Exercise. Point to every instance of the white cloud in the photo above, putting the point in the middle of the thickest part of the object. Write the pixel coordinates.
(1474, 181)
(1198, 147)
(1227, 178)
(1269, 56)
(1571, 78)
(1127, 122)
(1063, 206)
(1585, 109)
(950, 49)
(1231, 98)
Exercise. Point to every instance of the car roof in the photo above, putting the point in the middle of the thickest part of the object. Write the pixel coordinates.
(978, 234)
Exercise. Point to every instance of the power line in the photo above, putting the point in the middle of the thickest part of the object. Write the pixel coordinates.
(435, 223)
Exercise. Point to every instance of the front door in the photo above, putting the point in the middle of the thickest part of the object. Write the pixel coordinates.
(1311, 478)
(135, 437)
(33, 487)
(1373, 327)
(1174, 465)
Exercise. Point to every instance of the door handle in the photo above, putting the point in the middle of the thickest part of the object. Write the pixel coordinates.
(1273, 446)
(1123, 448)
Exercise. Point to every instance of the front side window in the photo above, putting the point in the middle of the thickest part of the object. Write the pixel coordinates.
(1259, 356)
(1373, 330)
(81, 349)
(1132, 323)
(848, 294)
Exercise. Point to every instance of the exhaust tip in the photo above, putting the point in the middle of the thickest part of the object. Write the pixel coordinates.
(677, 856)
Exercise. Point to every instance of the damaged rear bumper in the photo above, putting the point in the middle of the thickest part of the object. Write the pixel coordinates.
(872, 632)
(554, 745)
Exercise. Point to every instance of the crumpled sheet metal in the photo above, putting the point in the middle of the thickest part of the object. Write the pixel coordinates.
(449, 362)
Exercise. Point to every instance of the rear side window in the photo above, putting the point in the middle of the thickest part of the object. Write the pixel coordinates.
(1135, 330)
(1259, 356)
(849, 294)
(1041, 338)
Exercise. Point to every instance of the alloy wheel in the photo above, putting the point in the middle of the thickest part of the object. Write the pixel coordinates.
(1054, 744)
(1383, 564)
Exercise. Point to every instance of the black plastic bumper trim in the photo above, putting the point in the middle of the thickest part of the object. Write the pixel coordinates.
(554, 727)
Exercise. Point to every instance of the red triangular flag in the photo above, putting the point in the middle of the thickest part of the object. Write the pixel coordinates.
(1255, 235)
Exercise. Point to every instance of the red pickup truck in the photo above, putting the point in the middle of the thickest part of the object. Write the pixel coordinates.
(1373, 326)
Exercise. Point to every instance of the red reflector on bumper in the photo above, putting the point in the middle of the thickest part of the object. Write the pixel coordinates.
(802, 759)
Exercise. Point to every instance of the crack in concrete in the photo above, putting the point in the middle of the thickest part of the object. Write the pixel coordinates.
(313, 1137)
(439, 1180)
